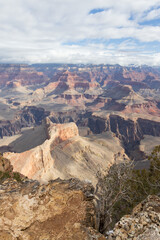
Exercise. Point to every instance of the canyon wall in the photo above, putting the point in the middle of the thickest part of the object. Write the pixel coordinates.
(129, 131)
(27, 117)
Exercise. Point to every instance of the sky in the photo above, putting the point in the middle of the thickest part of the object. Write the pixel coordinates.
(80, 31)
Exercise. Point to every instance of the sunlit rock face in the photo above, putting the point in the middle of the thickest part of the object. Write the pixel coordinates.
(37, 161)
(65, 154)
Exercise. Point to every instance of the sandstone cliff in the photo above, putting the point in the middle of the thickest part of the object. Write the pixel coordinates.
(65, 154)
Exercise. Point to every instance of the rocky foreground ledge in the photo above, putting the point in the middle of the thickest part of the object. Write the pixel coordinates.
(142, 224)
(60, 210)
(65, 210)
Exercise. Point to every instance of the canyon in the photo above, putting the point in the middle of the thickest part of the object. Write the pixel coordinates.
(61, 125)
(99, 99)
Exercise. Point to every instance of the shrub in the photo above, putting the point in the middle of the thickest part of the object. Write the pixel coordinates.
(124, 187)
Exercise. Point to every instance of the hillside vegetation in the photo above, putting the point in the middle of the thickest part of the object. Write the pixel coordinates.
(124, 187)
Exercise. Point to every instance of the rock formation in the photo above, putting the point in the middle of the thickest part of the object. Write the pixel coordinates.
(151, 107)
(66, 209)
(128, 95)
(59, 210)
(142, 224)
(6, 171)
(65, 154)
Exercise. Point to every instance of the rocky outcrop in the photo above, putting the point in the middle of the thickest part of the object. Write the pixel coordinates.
(59, 210)
(66, 209)
(142, 224)
(60, 132)
(129, 130)
(65, 154)
(38, 162)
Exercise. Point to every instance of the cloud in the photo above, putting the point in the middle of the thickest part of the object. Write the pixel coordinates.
(79, 31)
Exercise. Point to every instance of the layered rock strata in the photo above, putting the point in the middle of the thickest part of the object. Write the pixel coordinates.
(130, 131)
(65, 154)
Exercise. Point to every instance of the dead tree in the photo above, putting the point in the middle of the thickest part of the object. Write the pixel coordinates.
(109, 190)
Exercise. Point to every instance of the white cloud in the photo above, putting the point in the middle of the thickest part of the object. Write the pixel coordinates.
(36, 30)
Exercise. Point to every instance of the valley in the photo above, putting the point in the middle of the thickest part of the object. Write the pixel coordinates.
(113, 109)
(66, 131)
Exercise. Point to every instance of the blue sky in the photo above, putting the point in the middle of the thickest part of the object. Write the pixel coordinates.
(86, 31)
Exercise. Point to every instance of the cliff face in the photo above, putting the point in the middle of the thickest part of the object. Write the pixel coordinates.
(31, 115)
(142, 224)
(7, 128)
(27, 117)
(127, 130)
(38, 163)
(59, 210)
(65, 154)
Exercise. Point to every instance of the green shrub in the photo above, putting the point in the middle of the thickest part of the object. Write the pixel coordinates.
(17, 176)
(124, 187)
(4, 175)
